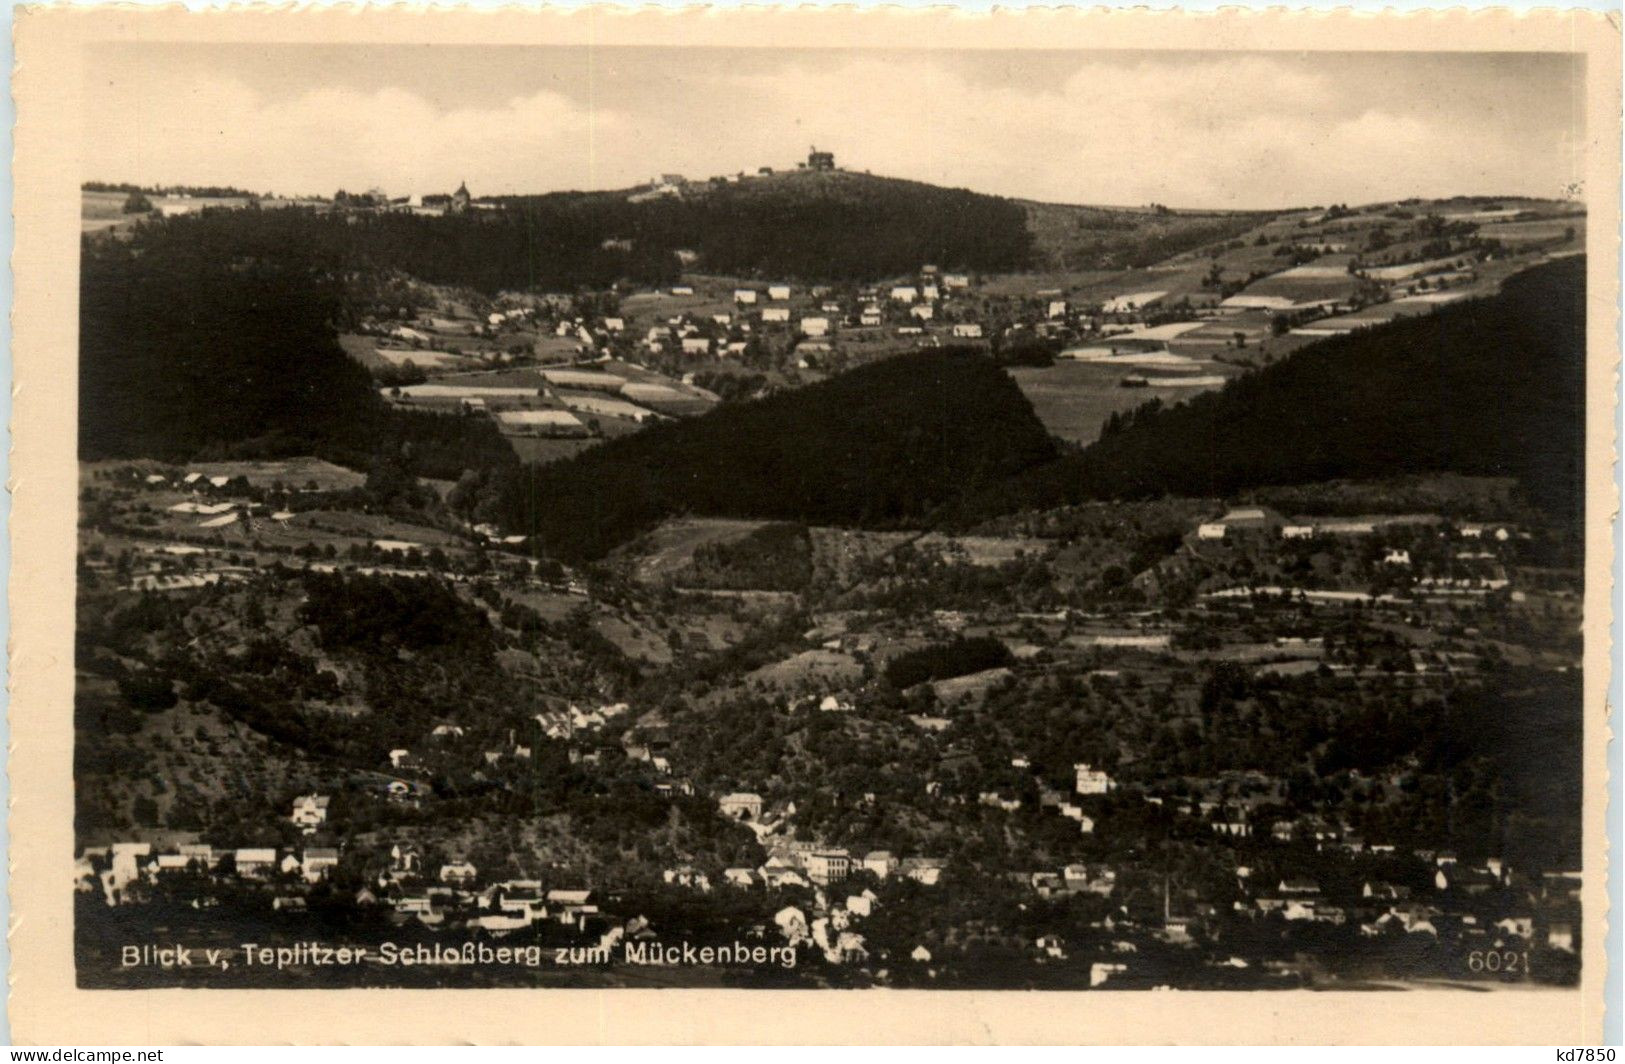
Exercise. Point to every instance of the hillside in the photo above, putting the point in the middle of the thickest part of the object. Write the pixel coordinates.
(1492, 387)
(808, 226)
(184, 354)
(1067, 237)
(892, 442)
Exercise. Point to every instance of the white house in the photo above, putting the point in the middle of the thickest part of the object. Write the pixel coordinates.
(905, 293)
(458, 872)
(923, 312)
(1057, 308)
(255, 861)
(745, 296)
(869, 317)
(815, 326)
(1210, 530)
(776, 314)
(684, 290)
(968, 331)
(614, 324)
(955, 280)
(1090, 780)
(881, 862)
(696, 345)
(310, 811)
(778, 292)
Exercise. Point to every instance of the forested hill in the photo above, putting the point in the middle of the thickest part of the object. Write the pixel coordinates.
(1494, 386)
(892, 443)
(810, 226)
(800, 227)
(186, 354)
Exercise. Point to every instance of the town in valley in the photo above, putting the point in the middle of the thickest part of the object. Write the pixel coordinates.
(1019, 595)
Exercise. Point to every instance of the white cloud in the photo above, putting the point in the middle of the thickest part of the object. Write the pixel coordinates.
(1216, 130)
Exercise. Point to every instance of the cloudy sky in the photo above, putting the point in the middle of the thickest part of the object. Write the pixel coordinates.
(1197, 129)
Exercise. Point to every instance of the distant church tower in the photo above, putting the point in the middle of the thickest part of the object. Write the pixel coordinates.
(461, 199)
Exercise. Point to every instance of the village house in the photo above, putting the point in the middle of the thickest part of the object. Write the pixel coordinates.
(815, 326)
(923, 312)
(869, 318)
(880, 862)
(459, 873)
(1090, 780)
(745, 296)
(904, 293)
(778, 292)
(318, 863)
(927, 871)
(127, 862)
(253, 862)
(792, 924)
(776, 315)
(741, 805)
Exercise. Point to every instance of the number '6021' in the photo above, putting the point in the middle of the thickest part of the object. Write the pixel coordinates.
(1498, 960)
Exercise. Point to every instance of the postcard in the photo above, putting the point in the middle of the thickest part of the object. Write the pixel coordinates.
(797, 525)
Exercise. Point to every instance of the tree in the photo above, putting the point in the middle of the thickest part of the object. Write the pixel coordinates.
(137, 203)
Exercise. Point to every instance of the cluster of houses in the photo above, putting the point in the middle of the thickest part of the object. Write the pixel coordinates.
(117, 869)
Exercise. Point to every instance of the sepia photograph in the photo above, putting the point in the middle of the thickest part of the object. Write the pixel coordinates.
(635, 516)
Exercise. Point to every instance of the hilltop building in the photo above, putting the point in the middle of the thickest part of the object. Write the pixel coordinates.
(822, 161)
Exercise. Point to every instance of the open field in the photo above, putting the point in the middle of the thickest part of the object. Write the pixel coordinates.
(669, 549)
(1073, 399)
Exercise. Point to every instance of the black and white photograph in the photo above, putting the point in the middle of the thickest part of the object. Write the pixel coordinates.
(830, 518)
